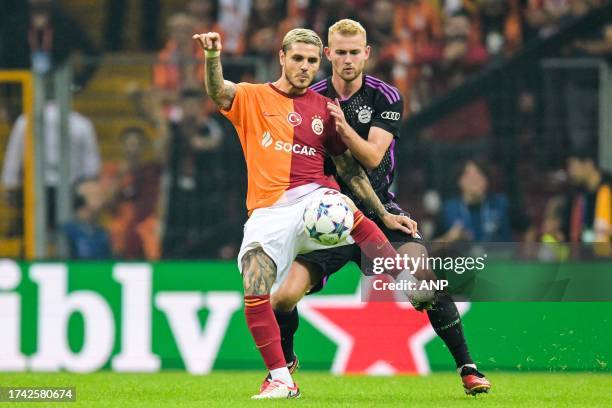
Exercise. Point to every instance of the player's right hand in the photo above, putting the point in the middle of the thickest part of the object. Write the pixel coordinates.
(401, 223)
(209, 41)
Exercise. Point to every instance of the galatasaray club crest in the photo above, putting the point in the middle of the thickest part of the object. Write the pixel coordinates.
(317, 125)
(294, 118)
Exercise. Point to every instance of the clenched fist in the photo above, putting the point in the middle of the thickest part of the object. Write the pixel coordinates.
(209, 41)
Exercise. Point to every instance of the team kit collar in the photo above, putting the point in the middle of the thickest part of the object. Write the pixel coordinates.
(332, 91)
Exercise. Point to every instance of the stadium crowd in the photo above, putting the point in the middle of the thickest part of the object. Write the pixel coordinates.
(174, 186)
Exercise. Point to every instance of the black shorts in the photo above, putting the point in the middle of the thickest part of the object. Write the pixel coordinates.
(330, 261)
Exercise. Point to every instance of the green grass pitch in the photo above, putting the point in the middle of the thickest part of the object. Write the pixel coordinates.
(233, 389)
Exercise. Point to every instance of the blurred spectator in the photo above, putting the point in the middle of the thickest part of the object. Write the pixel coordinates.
(204, 12)
(195, 224)
(116, 24)
(464, 132)
(84, 156)
(297, 16)
(454, 58)
(419, 22)
(552, 222)
(458, 57)
(327, 12)
(180, 64)
(132, 193)
(43, 39)
(381, 37)
(500, 26)
(86, 238)
(417, 26)
(476, 214)
(456, 6)
(380, 25)
(589, 216)
(452, 61)
(552, 232)
(233, 20)
(543, 17)
(261, 33)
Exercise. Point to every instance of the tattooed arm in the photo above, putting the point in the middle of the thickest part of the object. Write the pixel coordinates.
(356, 178)
(258, 272)
(222, 92)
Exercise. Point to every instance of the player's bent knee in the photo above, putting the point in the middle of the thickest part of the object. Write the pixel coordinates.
(294, 287)
(258, 272)
(282, 299)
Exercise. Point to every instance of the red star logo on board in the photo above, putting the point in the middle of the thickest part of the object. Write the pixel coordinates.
(378, 335)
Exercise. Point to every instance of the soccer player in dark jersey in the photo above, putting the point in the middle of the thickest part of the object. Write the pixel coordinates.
(368, 119)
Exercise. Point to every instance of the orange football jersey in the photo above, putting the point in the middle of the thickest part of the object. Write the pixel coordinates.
(285, 140)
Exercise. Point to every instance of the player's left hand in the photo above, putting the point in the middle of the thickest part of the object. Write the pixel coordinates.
(401, 223)
(335, 110)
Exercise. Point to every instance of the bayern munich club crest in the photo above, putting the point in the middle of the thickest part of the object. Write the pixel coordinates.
(317, 125)
(294, 118)
(364, 114)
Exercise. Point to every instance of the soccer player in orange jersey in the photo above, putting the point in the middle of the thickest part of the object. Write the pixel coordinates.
(286, 130)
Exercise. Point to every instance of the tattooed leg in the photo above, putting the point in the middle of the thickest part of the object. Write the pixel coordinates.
(258, 272)
(258, 275)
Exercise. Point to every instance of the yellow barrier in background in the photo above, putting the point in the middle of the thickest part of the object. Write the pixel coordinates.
(25, 79)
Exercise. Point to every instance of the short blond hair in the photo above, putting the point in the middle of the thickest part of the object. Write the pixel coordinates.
(347, 27)
(301, 35)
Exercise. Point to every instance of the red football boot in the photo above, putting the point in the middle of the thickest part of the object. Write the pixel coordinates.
(474, 382)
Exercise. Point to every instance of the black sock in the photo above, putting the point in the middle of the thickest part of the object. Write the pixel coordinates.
(288, 323)
(446, 322)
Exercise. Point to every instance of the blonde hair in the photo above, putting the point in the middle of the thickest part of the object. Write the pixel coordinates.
(346, 27)
(301, 35)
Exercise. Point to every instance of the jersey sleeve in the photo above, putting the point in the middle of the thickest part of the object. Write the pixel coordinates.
(388, 115)
(237, 112)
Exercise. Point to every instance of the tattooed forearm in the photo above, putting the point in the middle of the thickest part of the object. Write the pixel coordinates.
(258, 272)
(220, 91)
(357, 180)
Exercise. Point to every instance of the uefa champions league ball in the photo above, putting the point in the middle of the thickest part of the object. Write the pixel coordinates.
(328, 220)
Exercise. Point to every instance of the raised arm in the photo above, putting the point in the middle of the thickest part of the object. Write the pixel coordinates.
(357, 180)
(222, 92)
